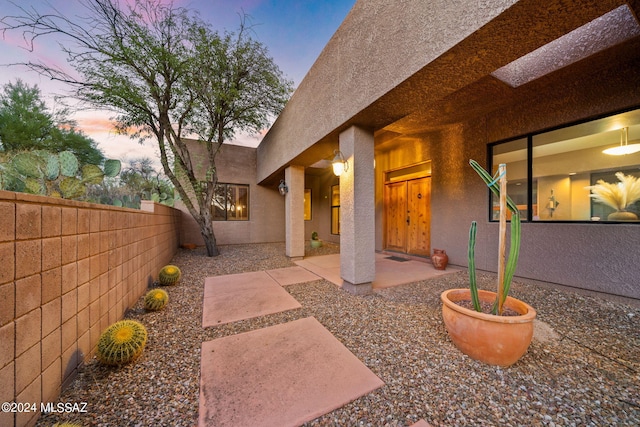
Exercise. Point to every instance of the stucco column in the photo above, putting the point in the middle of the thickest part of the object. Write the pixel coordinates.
(294, 212)
(357, 212)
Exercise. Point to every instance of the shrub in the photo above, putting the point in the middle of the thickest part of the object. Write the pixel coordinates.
(122, 342)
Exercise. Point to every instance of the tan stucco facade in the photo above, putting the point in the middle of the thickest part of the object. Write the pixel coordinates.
(237, 165)
(417, 77)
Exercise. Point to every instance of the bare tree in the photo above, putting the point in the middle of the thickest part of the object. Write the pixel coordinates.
(166, 75)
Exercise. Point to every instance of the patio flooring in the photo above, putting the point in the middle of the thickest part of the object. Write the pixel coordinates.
(291, 373)
(283, 375)
(234, 297)
(389, 271)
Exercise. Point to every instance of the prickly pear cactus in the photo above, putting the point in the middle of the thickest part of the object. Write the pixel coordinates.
(156, 299)
(92, 174)
(68, 163)
(34, 186)
(28, 164)
(52, 169)
(169, 275)
(122, 342)
(112, 167)
(72, 188)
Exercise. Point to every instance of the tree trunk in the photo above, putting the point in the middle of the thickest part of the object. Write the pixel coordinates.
(206, 229)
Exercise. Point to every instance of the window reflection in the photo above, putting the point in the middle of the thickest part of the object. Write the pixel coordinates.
(230, 202)
(564, 163)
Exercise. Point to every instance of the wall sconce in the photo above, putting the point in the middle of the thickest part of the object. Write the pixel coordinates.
(624, 147)
(282, 188)
(339, 163)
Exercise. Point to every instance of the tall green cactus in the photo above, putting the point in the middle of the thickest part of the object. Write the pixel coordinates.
(473, 285)
(514, 247)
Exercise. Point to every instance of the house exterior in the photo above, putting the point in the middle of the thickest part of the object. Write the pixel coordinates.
(409, 92)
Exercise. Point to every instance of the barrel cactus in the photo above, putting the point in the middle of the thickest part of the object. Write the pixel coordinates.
(122, 342)
(156, 299)
(169, 275)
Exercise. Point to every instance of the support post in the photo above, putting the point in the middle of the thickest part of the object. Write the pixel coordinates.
(294, 212)
(357, 212)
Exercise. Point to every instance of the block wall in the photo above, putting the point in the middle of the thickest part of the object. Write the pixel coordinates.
(68, 270)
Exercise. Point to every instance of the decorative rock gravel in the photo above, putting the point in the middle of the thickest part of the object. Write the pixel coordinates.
(583, 368)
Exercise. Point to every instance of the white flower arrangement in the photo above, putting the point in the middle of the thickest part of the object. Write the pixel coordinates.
(618, 195)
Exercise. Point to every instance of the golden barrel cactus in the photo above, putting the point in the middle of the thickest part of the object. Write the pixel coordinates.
(169, 275)
(156, 299)
(122, 342)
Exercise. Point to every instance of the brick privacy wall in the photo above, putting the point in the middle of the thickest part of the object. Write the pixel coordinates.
(67, 271)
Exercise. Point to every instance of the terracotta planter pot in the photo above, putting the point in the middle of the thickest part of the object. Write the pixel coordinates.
(495, 340)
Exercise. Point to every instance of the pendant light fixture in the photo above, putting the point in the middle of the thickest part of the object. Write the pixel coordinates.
(624, 147)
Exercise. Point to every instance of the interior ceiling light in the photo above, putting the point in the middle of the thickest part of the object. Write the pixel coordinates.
(624, 147)
(604, 32)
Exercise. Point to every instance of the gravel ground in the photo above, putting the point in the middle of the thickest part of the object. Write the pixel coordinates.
(583, 368)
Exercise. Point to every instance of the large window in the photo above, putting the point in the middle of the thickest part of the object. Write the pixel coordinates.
(230, 202)
(549, 173)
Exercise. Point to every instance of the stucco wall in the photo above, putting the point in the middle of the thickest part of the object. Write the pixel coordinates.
(594, 256)
(237, 165)
(378, 45)
(69, 270)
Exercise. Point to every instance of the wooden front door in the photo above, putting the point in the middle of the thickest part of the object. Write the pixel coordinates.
(408, 216)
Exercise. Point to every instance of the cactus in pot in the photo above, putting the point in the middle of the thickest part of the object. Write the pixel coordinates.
(502, 334)
(315, 241)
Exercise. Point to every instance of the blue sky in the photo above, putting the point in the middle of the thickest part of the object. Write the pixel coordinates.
(294, 31)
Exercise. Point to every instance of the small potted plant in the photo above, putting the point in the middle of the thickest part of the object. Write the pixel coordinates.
(315, 242)
(498, 329)
(618, 196)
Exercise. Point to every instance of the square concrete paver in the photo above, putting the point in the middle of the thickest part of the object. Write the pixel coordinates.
(243, 296)
(283, 375)
(292, 275)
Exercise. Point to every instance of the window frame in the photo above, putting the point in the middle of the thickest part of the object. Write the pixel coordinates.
(228, 185)
(529, 160)
(332, 207)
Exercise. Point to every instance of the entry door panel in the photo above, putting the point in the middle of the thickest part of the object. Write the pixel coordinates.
(408, 216)
(419, 212)
(396, 213)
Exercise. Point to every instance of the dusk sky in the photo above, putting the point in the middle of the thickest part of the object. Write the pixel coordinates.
(294, 31)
